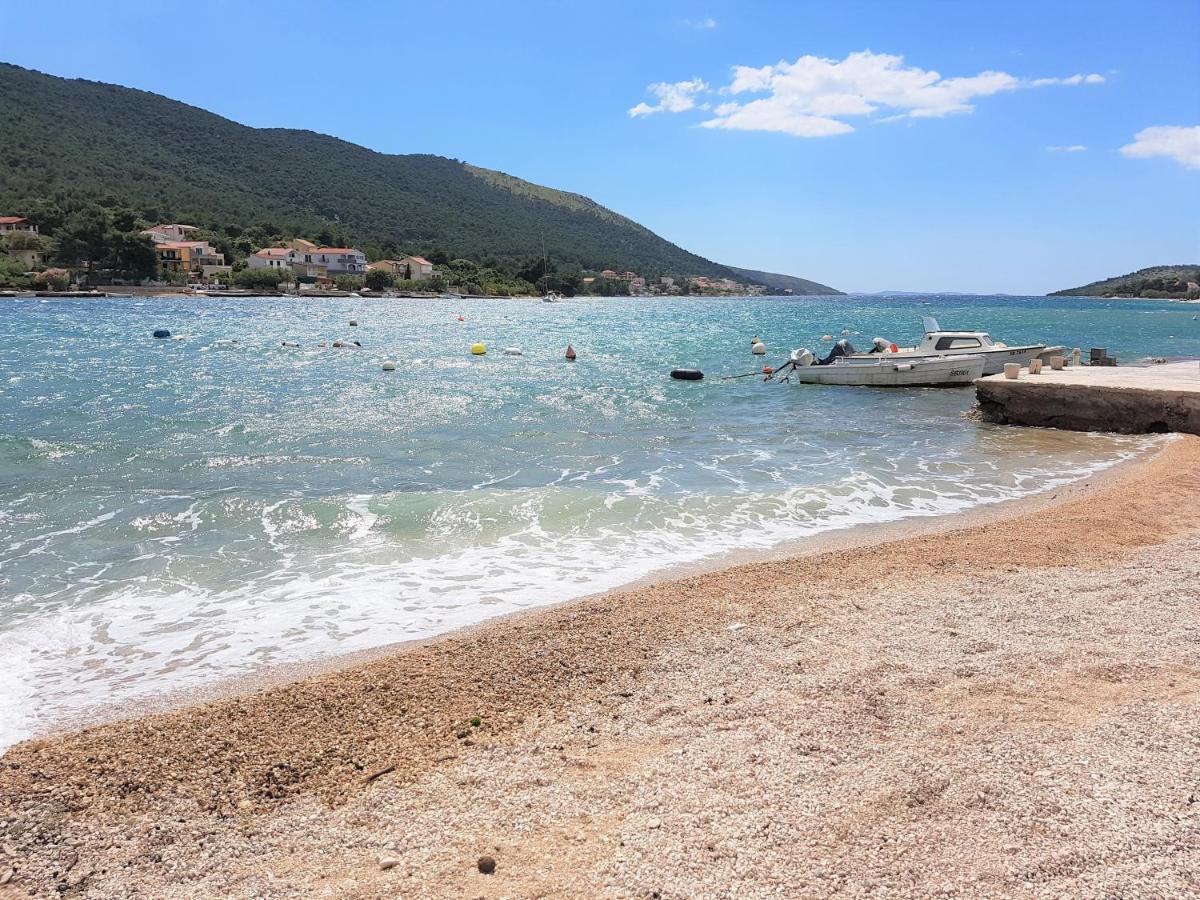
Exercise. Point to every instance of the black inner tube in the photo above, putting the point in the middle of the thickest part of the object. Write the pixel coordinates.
(687, 374)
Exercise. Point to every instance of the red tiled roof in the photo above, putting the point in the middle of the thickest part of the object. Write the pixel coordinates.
(421, 260)
(266, 252)
(12, 220)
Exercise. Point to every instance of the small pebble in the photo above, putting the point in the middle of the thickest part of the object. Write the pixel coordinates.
(388, 862)
(486, 864)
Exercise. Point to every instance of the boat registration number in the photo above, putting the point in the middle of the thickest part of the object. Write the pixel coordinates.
(954, 372)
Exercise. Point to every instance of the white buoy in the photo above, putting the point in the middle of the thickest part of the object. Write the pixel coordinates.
(389, 366)
(759, 349)
(513, 351)
(827, 337)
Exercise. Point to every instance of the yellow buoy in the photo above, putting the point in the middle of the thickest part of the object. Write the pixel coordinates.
(479, 348)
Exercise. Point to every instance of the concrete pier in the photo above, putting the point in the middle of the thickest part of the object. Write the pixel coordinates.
(1131, 400)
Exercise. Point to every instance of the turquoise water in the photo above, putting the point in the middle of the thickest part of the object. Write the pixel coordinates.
(177, 511)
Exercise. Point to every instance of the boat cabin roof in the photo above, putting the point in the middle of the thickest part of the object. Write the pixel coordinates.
(956, 340)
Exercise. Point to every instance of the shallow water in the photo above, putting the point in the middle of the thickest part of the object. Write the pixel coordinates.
(177, 511)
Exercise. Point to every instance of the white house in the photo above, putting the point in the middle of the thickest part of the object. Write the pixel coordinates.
(338, 260)
(271, 258)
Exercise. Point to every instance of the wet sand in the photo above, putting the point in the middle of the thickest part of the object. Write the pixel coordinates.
(1005, 706)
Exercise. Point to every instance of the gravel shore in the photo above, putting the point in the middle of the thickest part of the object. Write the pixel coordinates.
(1006, 709)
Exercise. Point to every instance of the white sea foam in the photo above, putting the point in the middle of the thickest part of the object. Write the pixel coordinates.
(144, 641)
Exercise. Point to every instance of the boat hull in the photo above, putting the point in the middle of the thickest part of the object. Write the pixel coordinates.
(894, 371)
(993, 358)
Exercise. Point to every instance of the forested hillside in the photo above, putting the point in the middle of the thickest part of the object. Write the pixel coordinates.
(784, 282)
(66, 141)
(1156, 282)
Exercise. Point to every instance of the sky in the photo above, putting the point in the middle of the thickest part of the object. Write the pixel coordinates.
(1016, 147)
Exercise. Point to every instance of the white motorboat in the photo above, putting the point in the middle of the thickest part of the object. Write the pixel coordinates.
(885, 371)
(937, 342)
(551, 297)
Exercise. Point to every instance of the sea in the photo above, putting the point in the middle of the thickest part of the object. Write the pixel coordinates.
(176, 512)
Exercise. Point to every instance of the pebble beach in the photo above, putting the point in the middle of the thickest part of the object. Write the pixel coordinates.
(1003, 706)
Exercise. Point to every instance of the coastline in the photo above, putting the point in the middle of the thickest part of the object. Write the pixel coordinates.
(965, 704)
(855, 537)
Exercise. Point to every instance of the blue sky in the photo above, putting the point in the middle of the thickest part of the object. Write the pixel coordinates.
(822, 155)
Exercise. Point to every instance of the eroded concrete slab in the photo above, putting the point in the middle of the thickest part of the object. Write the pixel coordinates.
(1130, 400)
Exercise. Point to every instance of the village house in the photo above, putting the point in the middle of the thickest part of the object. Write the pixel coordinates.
(31, 259)
(12, 224)
(189, 257)
(271, 258)
(290, 258)
(410, 268)
(608, 273)
(170, 234)
(338, 260)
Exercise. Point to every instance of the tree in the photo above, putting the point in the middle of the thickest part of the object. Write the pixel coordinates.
(12, 273)
(262, 279)
(379, 280)
(53, 279)
(132, 255)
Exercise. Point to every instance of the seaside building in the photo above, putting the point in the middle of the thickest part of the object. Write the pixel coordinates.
(12, 224)
(271, 258)
(338, 260)
(410, 268)
(189, 257)
(170, 234)
(608, 273)
(30, 258)
(297, 260)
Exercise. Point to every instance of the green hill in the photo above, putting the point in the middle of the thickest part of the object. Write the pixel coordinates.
(1156, 282)
(166, 161)
(784, 282)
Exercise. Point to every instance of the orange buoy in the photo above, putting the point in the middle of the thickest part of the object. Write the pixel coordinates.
(570, 353)
(895, 349)
(768, 370)
(461, 319)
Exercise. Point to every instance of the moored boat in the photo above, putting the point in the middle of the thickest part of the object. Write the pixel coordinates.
(885, 371)
(938, 342)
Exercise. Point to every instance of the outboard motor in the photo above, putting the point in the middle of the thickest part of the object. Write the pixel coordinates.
(801, 358)
(841, 348)
(879, 345)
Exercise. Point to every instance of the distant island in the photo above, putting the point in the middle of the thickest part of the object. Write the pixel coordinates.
(90, 167)
(1154, 283)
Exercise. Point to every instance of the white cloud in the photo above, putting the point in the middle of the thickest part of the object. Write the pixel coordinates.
(1069, 80)
(1179, 142)
(1069, 148)
(679, 96)
(705, 24)
(813, 97)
